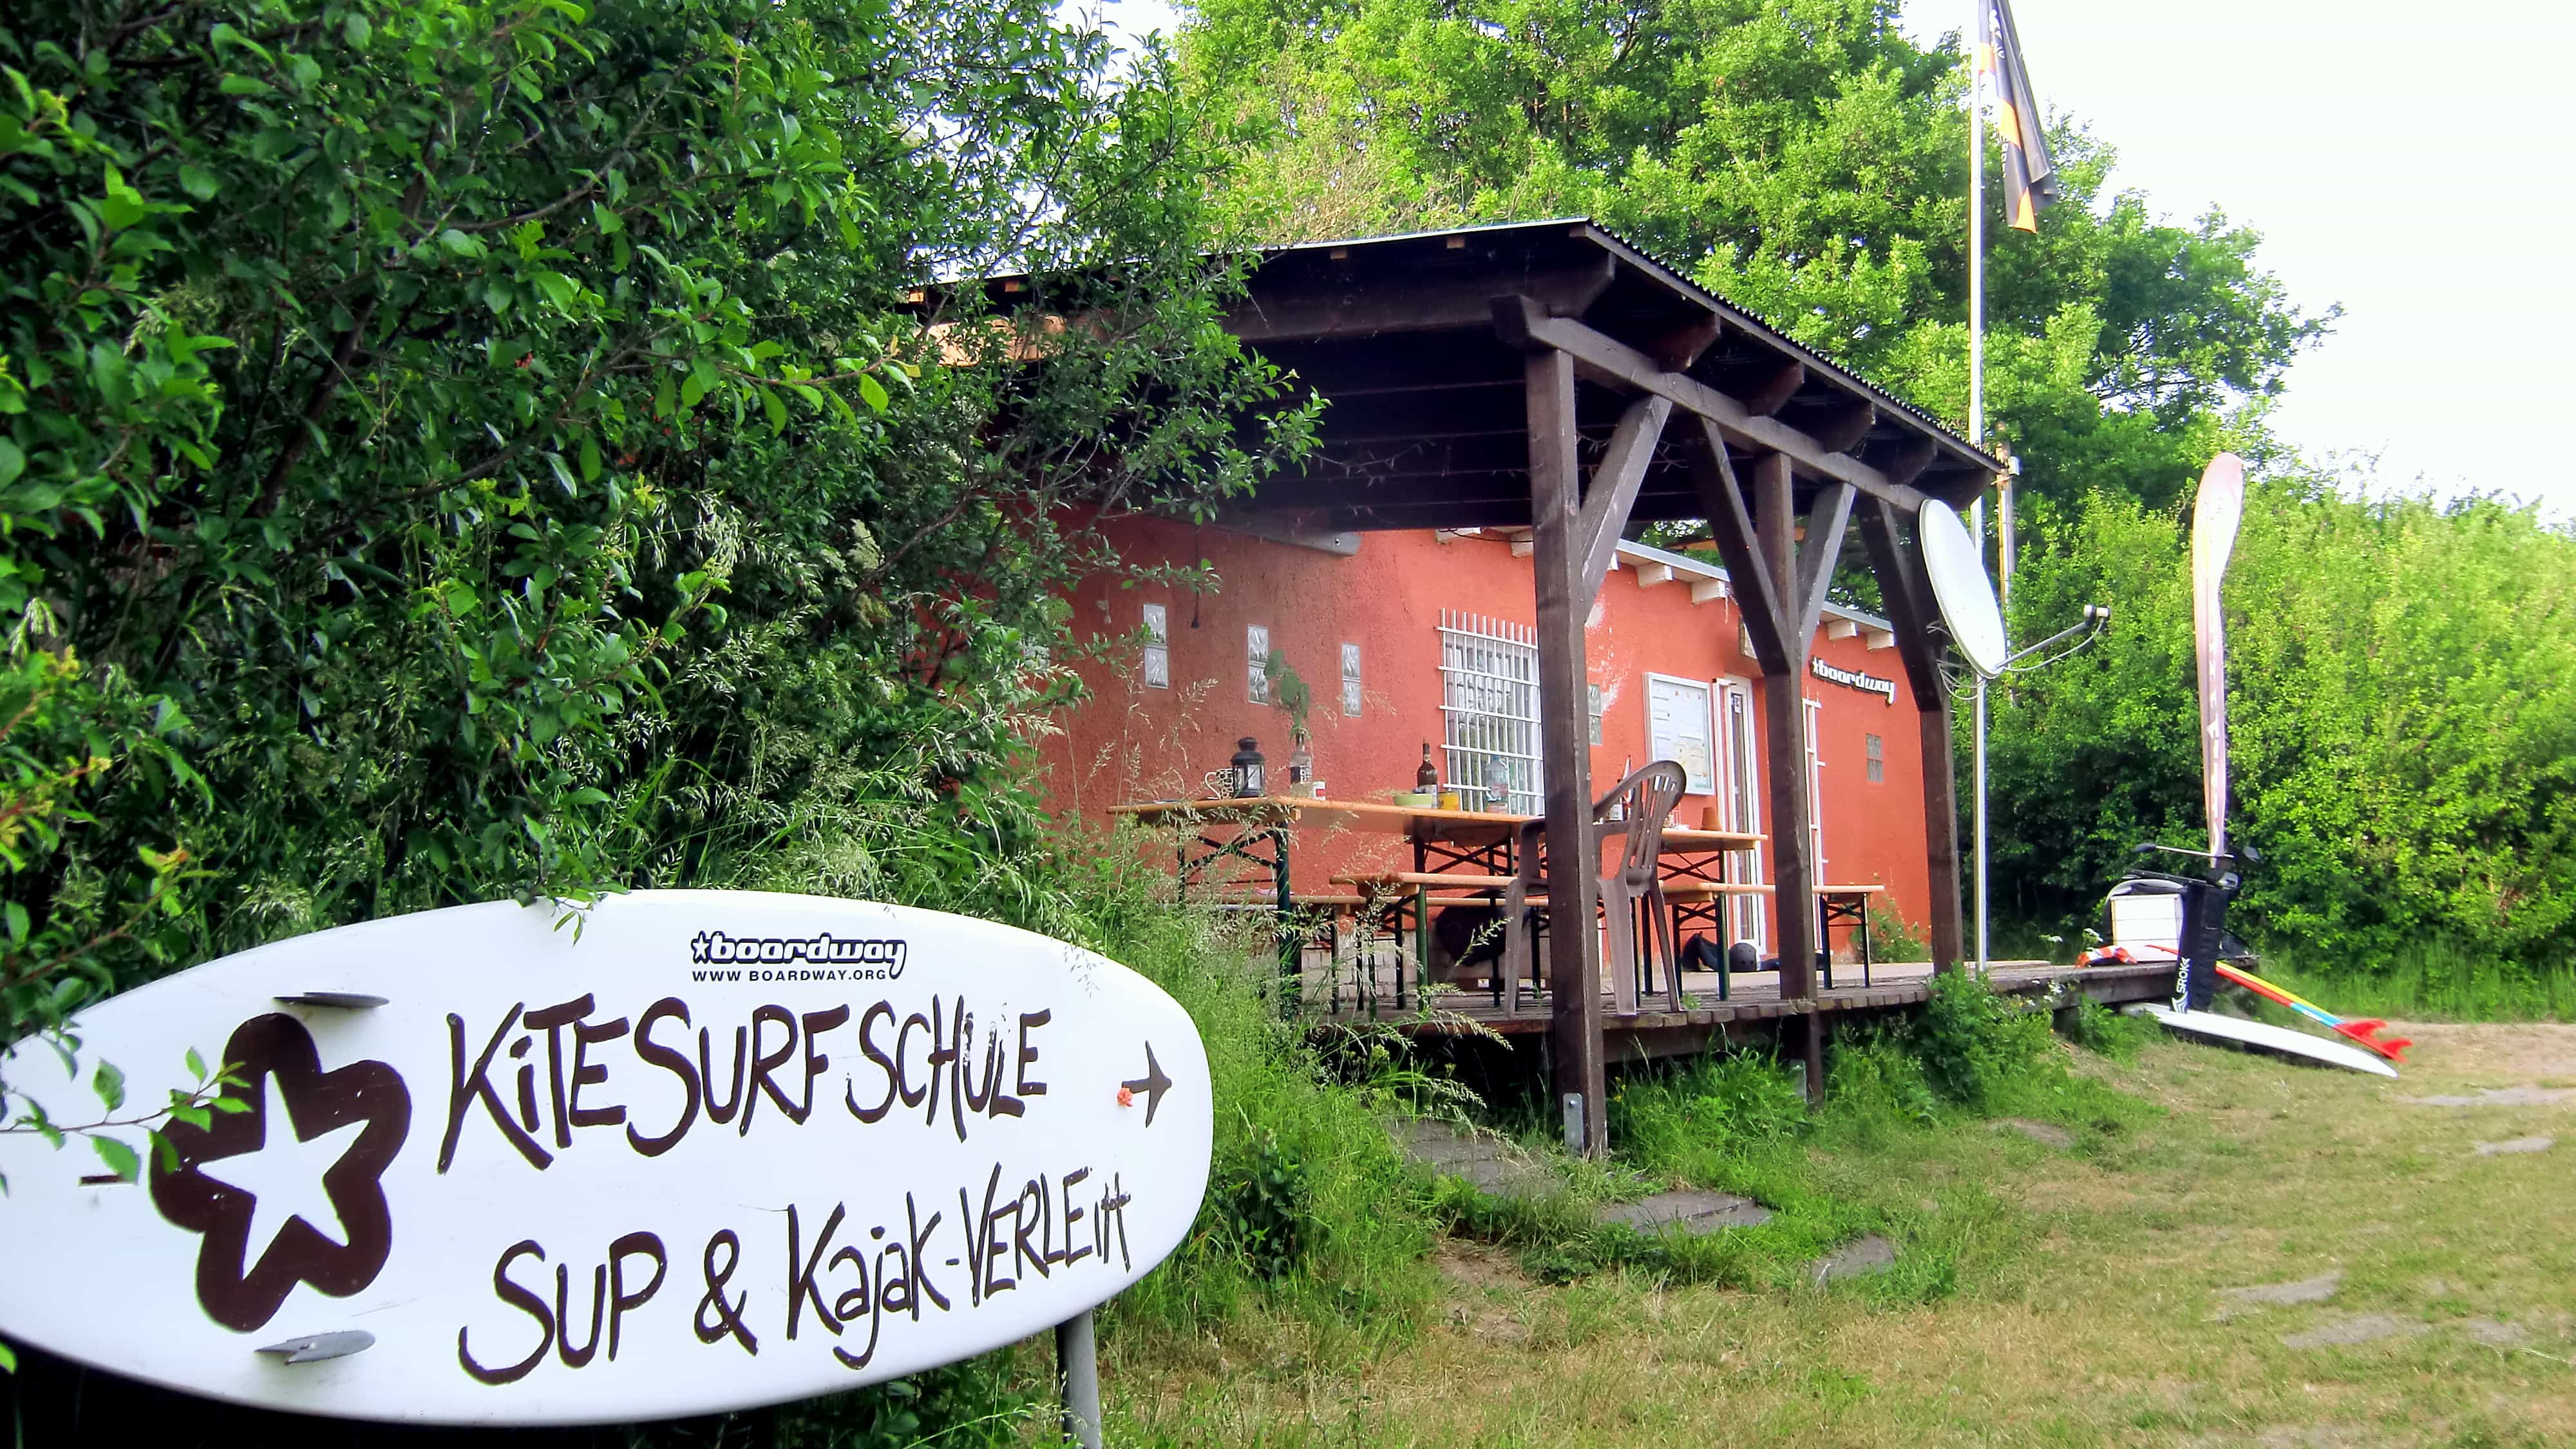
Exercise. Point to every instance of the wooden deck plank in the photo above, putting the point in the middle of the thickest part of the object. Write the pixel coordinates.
(1631, 1036)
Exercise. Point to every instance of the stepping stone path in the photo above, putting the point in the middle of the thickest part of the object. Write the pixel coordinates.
(1856, 1259)
(2502, 1097)
(1488, 1163)
(2271, 1295)
(1494, 1166)
(2494, 1333)
(2043, 1133)
(2345, 1332)
(1692, 1212)
(2515, 1145)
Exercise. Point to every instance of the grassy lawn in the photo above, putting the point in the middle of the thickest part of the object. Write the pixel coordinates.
(2044, 1295)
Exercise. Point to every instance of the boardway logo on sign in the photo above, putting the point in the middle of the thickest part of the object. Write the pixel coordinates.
(1853, 679)
(713, 1150)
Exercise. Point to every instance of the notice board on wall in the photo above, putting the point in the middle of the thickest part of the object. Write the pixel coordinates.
(1678, 729)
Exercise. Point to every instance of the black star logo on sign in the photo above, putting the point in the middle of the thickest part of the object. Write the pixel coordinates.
(315, 1142)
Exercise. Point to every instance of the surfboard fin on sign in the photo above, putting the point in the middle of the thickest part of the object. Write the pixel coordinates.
(314, 1348)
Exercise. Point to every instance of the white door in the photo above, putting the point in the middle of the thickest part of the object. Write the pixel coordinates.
(1739, 799)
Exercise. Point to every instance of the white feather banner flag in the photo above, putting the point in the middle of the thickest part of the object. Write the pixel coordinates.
(2214, 519)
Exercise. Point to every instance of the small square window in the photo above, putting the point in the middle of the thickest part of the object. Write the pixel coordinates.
(1877, 752)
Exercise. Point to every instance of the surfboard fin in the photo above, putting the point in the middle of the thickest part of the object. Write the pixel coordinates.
(2366, 1033)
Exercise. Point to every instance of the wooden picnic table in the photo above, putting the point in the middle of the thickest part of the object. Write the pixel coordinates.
(1470, 850)
(1479, 842)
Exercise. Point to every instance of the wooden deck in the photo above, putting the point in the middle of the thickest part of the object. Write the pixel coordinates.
(1752, 1002)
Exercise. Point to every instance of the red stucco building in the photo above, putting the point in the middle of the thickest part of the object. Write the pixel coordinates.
(1408, 638)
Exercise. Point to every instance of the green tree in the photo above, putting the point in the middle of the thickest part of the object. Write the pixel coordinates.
(454, 449)
(1803, 158)
(2402, 700)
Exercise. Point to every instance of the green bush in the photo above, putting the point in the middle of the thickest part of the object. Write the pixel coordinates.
(477, 452)
(1720, 1105)
(1973, 1041)
(2402, 701)
(1258, 1201)
(2096, 1028)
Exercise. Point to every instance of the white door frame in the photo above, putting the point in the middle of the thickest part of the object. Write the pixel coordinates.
(1739, 802)
(1815, 718)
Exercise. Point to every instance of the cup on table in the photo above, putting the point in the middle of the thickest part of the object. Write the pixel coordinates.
(1449, 799)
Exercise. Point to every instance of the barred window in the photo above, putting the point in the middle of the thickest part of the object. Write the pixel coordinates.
(1489, 703)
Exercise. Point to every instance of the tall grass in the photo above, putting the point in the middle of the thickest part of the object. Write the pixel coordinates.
(2428, 981)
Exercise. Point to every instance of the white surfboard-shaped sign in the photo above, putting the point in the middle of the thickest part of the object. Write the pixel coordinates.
(713, 1150)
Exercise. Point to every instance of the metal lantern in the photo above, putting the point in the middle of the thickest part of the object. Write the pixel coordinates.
(1247, 768)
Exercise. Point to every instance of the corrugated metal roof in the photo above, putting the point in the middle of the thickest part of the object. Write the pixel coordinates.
(1643, 259)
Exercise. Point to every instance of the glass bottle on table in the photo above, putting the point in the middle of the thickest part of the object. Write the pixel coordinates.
(1301, 765)
(1427, 777)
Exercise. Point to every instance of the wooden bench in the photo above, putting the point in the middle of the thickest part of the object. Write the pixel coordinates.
(1388, 894)
(1696, 903)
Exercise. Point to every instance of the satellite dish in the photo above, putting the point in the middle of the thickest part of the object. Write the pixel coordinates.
(1958, 575)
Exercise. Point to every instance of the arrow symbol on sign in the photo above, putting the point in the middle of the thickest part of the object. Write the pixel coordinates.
(1153, 1084)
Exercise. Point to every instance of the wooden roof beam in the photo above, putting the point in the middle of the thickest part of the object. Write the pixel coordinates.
(1681, 347)
(1414, 305)
(1845, 427)
(1614, 364)
(1906, 462)
(1614, 490)
(1776, 390)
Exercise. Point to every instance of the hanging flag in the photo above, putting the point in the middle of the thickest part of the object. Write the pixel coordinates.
(2030, 175)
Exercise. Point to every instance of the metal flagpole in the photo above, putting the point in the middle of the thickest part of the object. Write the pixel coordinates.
(1981, 47)
(1984, 963)
(1977, 239)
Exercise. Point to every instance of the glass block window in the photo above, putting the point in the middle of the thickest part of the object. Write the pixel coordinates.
(1158, 648)
(1877, 759)
(1256, 654)
(1351, 698)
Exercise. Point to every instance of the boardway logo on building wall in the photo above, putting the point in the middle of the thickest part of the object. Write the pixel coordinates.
(514, 1174)
(1853, 679)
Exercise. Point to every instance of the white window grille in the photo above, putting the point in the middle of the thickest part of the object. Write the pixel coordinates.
(1351, 698)
(1256, 653)
(1489, 703)
(1158, 648)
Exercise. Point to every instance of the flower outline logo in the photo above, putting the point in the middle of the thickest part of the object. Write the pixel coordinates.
(243, 1295)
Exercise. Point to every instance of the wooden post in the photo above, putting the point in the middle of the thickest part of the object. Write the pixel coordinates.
(1784, 700)
(1781, 588)
(1910, 610)
(1565, 751)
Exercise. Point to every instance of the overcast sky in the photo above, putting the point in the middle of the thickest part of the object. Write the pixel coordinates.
(2415, 163)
